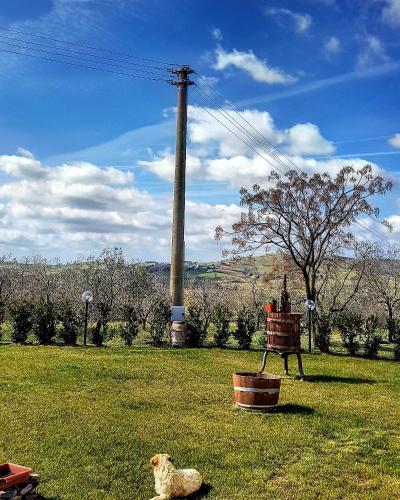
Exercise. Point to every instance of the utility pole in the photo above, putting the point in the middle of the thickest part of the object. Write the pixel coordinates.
(178, 218)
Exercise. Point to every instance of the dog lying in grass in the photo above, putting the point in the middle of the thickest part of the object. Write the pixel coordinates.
(171, 482)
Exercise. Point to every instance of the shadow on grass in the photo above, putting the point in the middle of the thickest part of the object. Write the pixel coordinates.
(203, 492)
(363, 356)
(334, 378)
(293, 409)
(41, 497)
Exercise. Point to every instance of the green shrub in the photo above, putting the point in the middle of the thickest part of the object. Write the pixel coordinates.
(349, 325)
(395, 332)
(323, 332)
(220, 319)
(392, 325)
(130, 324)
(113, 330)
(194, 325)
(159, 321)
(44, 321)
(259, 339)
(245, 328)
(96, 334)
(102, 334)
(21, 320)
(70, 323)
(371, 337)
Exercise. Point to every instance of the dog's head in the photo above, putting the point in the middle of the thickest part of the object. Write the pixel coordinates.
(160, 459)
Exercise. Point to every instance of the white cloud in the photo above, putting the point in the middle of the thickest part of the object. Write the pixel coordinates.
(331, 47)
(25, 153)
(305, 138)
(204, 130)
(394, 221)
(215, 154)
(216, 33)
(81, 208)
(247, 170)
(163, 166)
(22, 166)
(395, 141)
(257, 68)
(391, 13)
(84, 172)
(373, 53)
(301, 22)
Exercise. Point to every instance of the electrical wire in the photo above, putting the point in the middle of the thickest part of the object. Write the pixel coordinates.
(86, 67)
(249, 123)
(242, 129)
(238, 137)
(90, 60)
(86, 46)
(81, 53)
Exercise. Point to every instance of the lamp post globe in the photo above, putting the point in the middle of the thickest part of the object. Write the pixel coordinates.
(87, 296)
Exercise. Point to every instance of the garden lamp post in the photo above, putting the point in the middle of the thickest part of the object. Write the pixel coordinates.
(310, 305)
(86, 297)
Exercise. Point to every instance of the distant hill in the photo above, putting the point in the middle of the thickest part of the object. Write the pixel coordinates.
(239, 270)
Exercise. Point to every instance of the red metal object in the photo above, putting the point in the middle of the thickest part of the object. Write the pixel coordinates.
(12, 474)
(270, 307)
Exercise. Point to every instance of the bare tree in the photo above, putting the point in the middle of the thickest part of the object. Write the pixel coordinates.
(383, 277)
(103, 275)
(144, 290)
(205, 295)
(40, 279)
(11, 278)
(339, 282)
(308, 217)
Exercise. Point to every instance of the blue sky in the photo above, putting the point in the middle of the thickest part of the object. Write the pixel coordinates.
(86, 156)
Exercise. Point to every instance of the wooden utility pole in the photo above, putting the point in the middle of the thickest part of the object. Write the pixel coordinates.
(178, 219)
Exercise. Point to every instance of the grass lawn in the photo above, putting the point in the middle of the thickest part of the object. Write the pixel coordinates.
(88, 420)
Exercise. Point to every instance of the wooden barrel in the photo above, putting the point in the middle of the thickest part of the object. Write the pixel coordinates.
(283, 332)
(256, 391)
(178, 333)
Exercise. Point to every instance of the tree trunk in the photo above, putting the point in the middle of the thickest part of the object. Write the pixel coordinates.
(390, 315)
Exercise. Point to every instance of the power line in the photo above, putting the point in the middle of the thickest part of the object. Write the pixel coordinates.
(249, 123)
(81, 53)
(242, 129)
(82, 58)
(240, 139)
(87, 46)
(372, 231)
(131, 75)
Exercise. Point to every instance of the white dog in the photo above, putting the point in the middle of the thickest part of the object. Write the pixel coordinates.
(170, 482)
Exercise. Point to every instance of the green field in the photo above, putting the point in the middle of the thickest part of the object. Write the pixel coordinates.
(88, 420)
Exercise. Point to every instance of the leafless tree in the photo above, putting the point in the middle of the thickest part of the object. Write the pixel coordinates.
(103, 276)
(307, 216)
(383, 276)
(340, 281)
(11, 279)
(205, 294)
(144, 290)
